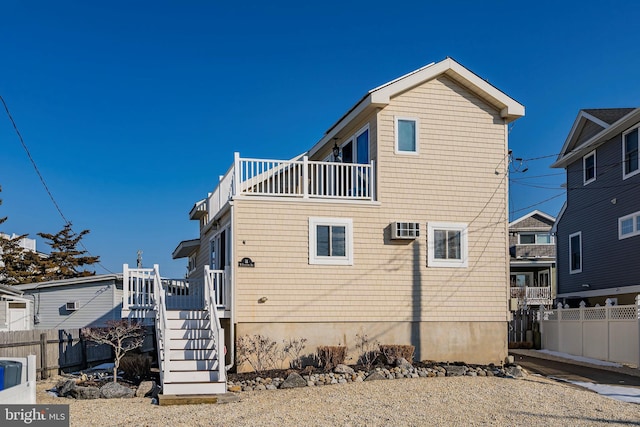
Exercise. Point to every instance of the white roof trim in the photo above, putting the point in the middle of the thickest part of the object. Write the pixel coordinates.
(554, 229)
(380, 96)
(509, 108)
(578, 125)
(601, 137)
(530, 214)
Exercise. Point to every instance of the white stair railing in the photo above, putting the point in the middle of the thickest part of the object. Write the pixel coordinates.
(213, 281)
(160, 305)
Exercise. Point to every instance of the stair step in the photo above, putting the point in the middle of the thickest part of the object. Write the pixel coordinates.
(191, 344)
(190, 376)
(187, 314)
(189, 334)
(193, 365)
(194, 388)
(188, 323)
(192, 354)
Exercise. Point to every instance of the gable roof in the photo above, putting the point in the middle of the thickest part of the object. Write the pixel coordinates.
(533, 213)
(608, 115)
(380, 96)
(611, 121)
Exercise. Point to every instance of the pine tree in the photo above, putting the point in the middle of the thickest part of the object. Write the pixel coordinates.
(65, 260)
(18, 265)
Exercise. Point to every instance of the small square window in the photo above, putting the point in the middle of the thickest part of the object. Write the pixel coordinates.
(406, 135)
(330, 241)
(447, 244)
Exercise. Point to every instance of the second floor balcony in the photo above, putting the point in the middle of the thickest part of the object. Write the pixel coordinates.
(533, 251)
(528, 296)
(297, 178)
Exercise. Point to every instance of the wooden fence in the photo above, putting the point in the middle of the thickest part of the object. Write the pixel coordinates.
(60, 350)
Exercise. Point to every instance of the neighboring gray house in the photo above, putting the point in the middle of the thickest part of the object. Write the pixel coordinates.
(598, 228)
(532, 260)
(75, 303)
(16, 310)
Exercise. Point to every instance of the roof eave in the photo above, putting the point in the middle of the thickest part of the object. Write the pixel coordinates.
(597, 139)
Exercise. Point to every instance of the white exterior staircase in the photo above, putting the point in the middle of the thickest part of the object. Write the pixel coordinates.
(191, 362)
(190, 340)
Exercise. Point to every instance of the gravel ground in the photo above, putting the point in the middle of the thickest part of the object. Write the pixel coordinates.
(450, 401)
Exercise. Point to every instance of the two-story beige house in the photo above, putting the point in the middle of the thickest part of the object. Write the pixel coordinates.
(394, 224)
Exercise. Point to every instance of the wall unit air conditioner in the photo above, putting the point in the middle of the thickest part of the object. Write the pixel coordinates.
(73, 305)
(405, 230)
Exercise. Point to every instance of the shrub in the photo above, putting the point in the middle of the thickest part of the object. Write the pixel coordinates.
(136, 366)
(368, 350)
(260, 352)
(395, 352)
(331, 356)
(293, 348)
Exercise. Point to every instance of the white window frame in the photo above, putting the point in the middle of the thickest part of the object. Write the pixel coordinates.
(397, 135)
(586, 181)
(536, 234)
(635, 219)
(571, 236)
(315, 259)
(354, 143)
(626, 175)
(463, 228)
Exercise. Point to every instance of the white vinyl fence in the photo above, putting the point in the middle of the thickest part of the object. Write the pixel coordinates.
(610, 333)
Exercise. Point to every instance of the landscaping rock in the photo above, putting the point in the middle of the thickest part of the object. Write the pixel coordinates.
(235, 388)
(115, 391)
(64, 387)
(294, 380)
(514, 371)
(455, 371)
(343, 369)
(84, 393)
(404, 364)
(375, 376)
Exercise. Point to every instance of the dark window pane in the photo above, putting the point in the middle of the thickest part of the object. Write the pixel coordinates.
(589, 167)
(453, 245)
(575, 252)
(322, 240)
(406, 135)
(362, 147)
(440, 244)
(527, 239)
(338, 246)
(631, 152)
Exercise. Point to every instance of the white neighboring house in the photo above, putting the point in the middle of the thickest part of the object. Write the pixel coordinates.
(16, 310)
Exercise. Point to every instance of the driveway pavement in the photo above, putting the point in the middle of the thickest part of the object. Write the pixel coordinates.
(575, 371)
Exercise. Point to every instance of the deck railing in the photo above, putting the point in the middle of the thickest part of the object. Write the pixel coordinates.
(140, 292)
(532, 295)
(293, 178)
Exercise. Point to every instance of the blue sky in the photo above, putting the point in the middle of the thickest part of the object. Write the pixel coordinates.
(131, 110)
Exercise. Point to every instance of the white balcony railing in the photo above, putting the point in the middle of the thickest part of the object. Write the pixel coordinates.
(532, 295)
(293, 178)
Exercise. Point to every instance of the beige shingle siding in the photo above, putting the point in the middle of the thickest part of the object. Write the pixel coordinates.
(453, 179)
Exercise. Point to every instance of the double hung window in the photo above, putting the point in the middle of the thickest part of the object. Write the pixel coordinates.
(630, 153)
